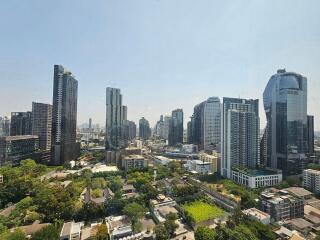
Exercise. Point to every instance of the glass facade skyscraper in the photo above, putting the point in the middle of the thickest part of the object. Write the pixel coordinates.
(64, 116)
(285, 104)
(176, 128)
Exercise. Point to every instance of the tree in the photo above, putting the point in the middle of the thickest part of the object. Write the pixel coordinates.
(16, 235)
(171, 226)
(204, 233)
(49, 232)
(101, 232)
(161, 232)
(134, 211)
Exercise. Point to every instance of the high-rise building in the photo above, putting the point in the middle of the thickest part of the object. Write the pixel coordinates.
(310, 133)
(285, 104)
(64, 116)
(240, 134)
(4, 126)
(42, 124)
(21, 123)
(160, 128)
(116, 115)
(144, 129)
(90, 123)
(166, 126)
(132, 132)
(176, 127)
(206, 124)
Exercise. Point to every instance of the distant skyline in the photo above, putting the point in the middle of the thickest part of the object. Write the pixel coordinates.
(162, 54)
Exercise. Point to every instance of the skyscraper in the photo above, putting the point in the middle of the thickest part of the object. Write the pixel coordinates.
(176, 127)
(310, 134)
(21, 123)
(144, 129)
(240, 134)
(42, 124)
(116, 114)
(64, 116)
(90, 123)
(285, 104)
(206, 124)
(4, 126)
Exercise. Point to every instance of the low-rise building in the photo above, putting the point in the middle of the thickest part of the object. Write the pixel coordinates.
(257, 215)
(161, 207)
(134, 162)
(256, 178)
(71, 231)
(210, 158)
(198, 166)
(311, 180)
(281, 205)
(299, 192)
(162, 160)
(119, 227)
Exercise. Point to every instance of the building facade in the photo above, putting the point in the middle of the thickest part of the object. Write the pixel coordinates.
(134, 162)
(13, 149)
(64, 116)
(42, 124)
(204, 129)
(311, 180)
(240, 134)
(144, 129)
(310, 133)
(4, 126)
(256, 178)
(21, 123)
(176, 128)
(285, 104)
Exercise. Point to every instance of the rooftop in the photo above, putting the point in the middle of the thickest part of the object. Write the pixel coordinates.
(134, 156)
(256, 172)
(104, 168)
(256, 213)
(298, 191)
(300, 223)
(20, 137)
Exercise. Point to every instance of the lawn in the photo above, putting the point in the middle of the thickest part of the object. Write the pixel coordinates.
(201, 211)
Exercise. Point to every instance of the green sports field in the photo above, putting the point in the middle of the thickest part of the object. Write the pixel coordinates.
(201, 211)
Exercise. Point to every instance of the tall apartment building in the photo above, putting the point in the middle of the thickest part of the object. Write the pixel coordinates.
(311, 180)
(116, 115)
(64, 116)
(21, 123)
(205, 125)
(285, 104)
(42, 124)
(310, 133)
(144, 129)
(176, 127)
(240, 134)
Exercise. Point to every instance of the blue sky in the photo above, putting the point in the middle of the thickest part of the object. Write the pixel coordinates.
(163, 54)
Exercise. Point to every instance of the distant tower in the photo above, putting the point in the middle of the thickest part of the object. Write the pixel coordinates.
(90, 123)
(21, 123)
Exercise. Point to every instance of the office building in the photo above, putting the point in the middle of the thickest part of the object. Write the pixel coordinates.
(176, 128)
(144, 129)
(42, 124)
(64, 116)
(311, 180)
(130, 130)
(166, 126)
(281, 205)
(134, 162)
(205, 125)
(21, 123)
(13, 149)
(116, 115)
(285, 104)
(256, 178)
(213, 159)
(198, 167)
(4, 126)
(310, 133)
(240, 134)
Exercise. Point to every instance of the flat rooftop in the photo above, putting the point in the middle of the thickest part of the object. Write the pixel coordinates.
(256, 172)
(256, 213)
(20, 137)
(298, 191)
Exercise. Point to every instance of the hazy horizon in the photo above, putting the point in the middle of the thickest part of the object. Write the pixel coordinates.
(162, 54)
